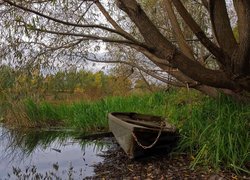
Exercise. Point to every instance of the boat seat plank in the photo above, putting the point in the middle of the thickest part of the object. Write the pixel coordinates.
(143, 123)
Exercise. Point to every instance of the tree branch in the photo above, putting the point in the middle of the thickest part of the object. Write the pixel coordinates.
(174, 71)
(113, 23)
(174, 83)
(177, 30)
(51, 49)
(93, 37)
(205, 3)
(163, 48)
(215, 50)
(145, 80)
(65, 22)
(221, 26)
(241, 59)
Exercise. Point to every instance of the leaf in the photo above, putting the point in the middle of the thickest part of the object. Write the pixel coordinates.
(53, 2)
(34, 23)
(29, 27)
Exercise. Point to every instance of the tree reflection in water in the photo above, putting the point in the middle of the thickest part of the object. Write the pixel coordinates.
(47, 153)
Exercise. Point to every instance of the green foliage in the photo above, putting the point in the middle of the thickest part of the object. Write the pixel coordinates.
(215, 132)
(44, 114)
(7, 77)
(93, 115)
(25, 83)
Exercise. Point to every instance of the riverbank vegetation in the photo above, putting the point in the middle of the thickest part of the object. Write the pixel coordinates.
(203, 46)
(88, 116)
(214, 132)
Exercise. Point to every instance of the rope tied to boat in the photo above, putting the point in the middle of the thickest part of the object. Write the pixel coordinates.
(163, 124)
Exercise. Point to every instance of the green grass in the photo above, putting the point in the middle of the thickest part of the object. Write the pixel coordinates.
(216, 132)
(93, 115)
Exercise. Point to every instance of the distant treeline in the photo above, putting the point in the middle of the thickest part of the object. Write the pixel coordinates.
(86, 84)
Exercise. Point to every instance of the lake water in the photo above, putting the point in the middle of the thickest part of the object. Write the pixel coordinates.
(54, 154)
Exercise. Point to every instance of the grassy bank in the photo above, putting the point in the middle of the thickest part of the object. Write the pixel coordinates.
(84, 115)
(214, 132)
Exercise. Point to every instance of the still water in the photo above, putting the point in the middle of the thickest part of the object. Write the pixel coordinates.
(47, 154)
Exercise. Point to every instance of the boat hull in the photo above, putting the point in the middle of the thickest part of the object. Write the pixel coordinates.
(135, 133)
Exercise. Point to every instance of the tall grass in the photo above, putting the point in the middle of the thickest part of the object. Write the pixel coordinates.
(214, 132)
(93, 115)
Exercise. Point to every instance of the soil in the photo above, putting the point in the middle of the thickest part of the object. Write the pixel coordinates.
(117, 165)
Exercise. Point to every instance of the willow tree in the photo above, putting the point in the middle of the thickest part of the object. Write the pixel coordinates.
(50, 32)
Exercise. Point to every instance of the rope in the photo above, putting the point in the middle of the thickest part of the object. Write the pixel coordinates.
(187, 86)
(155, 141)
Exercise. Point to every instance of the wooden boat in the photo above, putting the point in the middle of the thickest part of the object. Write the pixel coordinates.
(140, 134)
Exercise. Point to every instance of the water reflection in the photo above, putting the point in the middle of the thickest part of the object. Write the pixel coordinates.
(50, 153)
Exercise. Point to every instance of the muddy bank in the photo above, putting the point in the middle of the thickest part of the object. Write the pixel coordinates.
(117, 165)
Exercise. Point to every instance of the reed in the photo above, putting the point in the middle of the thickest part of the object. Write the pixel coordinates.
(93, 115)
(214, 132)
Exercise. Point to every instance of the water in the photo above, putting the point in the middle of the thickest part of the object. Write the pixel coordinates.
(54, 154)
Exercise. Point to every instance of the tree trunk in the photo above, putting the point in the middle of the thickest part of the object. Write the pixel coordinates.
(164, 49)
(233, 76)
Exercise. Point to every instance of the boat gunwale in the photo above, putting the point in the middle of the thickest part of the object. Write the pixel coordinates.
(131, 126)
